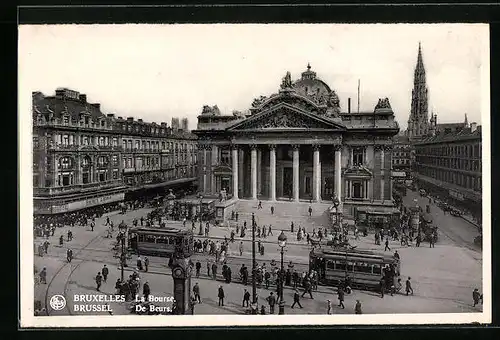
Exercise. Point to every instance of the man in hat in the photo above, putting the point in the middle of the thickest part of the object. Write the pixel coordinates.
(296, 298)
(221, 296)
(408, 286)
(357, 308)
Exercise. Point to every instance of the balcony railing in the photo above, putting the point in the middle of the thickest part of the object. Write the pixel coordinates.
(75, 147)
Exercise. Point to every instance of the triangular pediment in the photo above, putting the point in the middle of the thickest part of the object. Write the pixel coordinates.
(284, 116)
(357, 171)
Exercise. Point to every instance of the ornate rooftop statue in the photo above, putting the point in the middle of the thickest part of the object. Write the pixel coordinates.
(287, 81)
(207, 110)
(383, 104)
(258, 101)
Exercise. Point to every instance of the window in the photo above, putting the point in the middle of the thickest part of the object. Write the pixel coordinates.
(130, 145)
(35, 142)
(115, 142)
(65, 140)
(66, 163)
(163, 145)
(224, 156)
(115, 174)
(124, 144)
(114, 160)
(102, 161)
(357, 156)
(137, 145)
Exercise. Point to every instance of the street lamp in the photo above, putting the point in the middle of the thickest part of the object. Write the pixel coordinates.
(123, 258)
(200, 232)
(282, 244)
(336, 204)
(254, 268)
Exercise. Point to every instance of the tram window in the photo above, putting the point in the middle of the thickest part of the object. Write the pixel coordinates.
(377, 269)
(339, 266)
(150, 239)
(330, 264)
(362, 268)
(140, 238)
(350, 266)
(162, 240)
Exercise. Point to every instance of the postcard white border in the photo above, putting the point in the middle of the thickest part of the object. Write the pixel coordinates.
(26, 293)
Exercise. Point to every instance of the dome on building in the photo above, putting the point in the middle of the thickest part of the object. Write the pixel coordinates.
(310, 86)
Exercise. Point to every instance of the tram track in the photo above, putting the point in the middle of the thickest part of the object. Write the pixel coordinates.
(65, 265)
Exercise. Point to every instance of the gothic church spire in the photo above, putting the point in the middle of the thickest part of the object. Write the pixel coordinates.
(418, 124)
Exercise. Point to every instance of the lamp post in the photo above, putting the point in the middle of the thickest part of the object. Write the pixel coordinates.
(282, 244)
(336, 204)
(123, 258)
(254, 268)
(200, 232)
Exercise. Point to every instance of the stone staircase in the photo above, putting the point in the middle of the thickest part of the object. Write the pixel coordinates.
(284, 213)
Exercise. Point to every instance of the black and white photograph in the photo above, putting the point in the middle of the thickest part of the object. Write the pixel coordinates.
(254, 174)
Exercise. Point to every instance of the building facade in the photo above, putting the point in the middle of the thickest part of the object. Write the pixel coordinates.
(83, 157)
(401, 156)
(296, 145)
(450, 165)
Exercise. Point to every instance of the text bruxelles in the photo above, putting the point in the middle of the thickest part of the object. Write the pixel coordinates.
(98, 298)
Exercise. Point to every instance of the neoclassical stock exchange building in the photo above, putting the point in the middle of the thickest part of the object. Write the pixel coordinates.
(297, 145)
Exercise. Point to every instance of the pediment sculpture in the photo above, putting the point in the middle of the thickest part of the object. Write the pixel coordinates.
(284, 119)
(210, 110)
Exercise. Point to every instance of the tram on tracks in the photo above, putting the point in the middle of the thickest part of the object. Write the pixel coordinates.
(364, 268)
(160, 241)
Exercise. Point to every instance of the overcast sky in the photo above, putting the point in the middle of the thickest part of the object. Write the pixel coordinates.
(156, 72)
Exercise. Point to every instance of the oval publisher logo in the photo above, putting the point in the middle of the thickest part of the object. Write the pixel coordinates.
(57, 302)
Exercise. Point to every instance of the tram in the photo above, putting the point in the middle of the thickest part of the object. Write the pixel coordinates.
(364, 268)
(160, 241)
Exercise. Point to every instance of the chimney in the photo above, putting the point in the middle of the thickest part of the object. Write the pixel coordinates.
(473, 127)
(120, 117)
(130, 119)
(139, 120)
(349, 105)
(83, 98)
(111, 115)
(97, 106)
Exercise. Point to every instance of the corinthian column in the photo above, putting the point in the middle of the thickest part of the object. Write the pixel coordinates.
(254, 171)
(296, 149)
(272, 172)
(235, 171)
(338, 174)
(316, 174)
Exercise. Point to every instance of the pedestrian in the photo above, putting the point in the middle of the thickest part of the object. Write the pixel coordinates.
(328, 307)
(92, 225)
(146, 264)
(139, 263)
(208, 268)
(146, 291)
(241, 248)
(262, 310)
(382, 287)
(69, 235)
(196, 292)
(418, 240)
(307, 288)
(69, 255)
(271, 300)
(357, 308)
(236, 216)
(396, 255)
(408, 286)
(291, 227)
(221, 296)
(61, 240)
(262, 250)
(198, 268)
(98, 281)
(270, 231)
(246, 298)
(105, 272)
(340, 294)
(310, 210)
(43, 276)
(267, 277)
(296, 299)
(260, 205)
(272, 210)
(387, 245)
(214, 271)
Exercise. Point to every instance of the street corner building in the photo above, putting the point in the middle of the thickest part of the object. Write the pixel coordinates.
(298, 145)
(83, 157)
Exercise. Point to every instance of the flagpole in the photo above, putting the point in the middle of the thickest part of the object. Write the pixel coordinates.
(358, 94)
